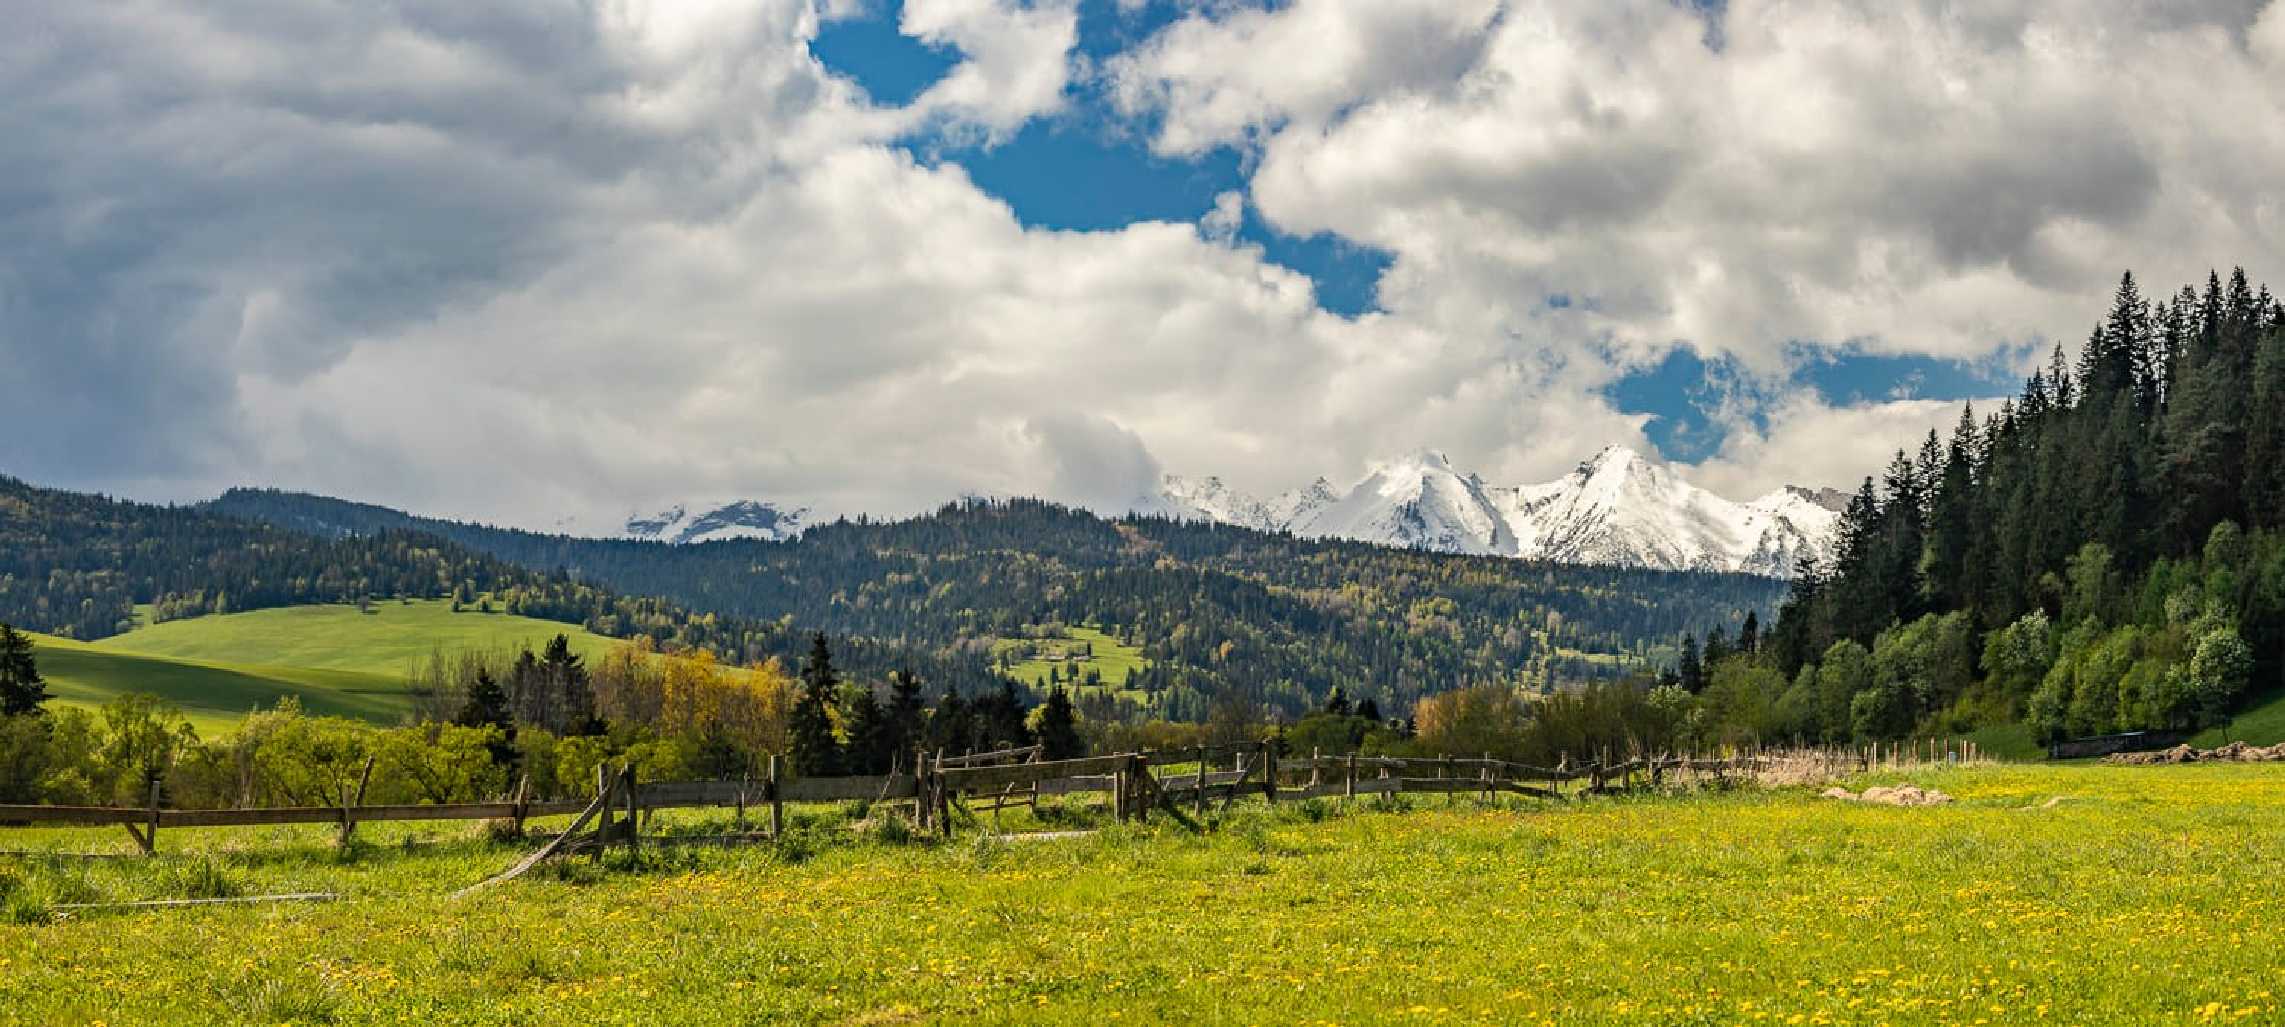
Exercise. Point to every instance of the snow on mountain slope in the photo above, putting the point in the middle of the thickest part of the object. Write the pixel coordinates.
(1417, 502)
(1208, 499)
(685, 523)
(1616, 508)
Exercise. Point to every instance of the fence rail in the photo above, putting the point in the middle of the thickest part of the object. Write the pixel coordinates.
(1136, 784)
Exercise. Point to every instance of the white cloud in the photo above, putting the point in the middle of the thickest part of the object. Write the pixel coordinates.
(530, 259)
(1808, 441)
(1924, 177)
(1016, 60)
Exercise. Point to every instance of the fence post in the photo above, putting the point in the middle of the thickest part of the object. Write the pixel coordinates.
(920, 788)
(603, 783)
(150, 837)
(522, 800)
(1349, 782)
(1198, 798)
(1269, 770)
(943, 796)
(350, 803)
(777, 800)
(1138, 770)
(634, 809)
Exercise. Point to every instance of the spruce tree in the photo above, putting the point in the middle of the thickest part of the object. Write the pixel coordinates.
(487, 706)
(566, 675)
(904, 717)
(1059, 729)
(22, 690)
(1691, 670)
(816, 752)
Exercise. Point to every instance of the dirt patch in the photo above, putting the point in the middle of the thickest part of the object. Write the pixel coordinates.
(1901, 795)
(2234, 752)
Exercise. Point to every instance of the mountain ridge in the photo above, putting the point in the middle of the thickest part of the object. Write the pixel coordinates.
(1615, 508)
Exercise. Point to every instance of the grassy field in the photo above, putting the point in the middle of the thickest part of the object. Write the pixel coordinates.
(388, 641)
(2141, 894)
(339, 661)
(1112, 659)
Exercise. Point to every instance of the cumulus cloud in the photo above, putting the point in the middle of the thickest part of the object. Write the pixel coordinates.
(1919, 177)
(1807, 440)
(536, 258)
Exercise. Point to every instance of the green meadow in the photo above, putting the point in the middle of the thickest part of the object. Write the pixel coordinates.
(1113, 659)
(337, 660)
(2082, 893)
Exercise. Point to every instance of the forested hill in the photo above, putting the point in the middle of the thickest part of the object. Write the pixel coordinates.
(1215, 609)
(2104, 552)
(76, 565)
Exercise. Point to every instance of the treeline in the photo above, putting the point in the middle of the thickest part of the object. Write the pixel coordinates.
(486, 721)
(77, 565)
(1273, 619)
(2104, 552)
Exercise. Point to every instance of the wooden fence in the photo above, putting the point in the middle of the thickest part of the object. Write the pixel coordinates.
(1184, 783)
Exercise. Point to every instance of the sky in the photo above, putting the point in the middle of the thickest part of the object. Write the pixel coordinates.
(550, 261)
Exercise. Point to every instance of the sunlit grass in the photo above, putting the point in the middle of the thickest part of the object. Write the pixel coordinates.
(2145, 893)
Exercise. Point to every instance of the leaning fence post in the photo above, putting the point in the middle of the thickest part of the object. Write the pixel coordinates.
(522, 801)
(150, 837)
(350, 803)
(777, 800)
(603, 782)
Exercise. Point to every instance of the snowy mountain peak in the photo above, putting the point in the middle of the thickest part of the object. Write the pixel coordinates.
(1618, 507)
(684, 523)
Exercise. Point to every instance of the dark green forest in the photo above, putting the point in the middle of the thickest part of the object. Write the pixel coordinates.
(2103, 553)
(76, 565)
(1217, 610)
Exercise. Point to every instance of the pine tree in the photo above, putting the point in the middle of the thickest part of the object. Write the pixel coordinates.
(1749, 636)
(1691, 671)
(1059, 729)
(870, 745)
(575, 693)
(816, 752)
(1337, 703)
(904, 718)
(950, 726)
(488, 706)
(22, 690)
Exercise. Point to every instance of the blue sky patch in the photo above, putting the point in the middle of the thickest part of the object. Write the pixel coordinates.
(1090, 169)
(1684, 392)
(893, 68)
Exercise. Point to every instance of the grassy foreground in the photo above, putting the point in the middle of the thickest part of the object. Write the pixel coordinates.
(2143, 894)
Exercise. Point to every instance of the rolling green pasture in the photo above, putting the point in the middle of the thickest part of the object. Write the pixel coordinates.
(2066, 893)
(338, 661)
(389, 641)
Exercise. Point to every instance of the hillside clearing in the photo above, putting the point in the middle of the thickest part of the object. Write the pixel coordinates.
(336, 660)
(1114, 660)
(214, 696)
(389, 641)
(2150, 894)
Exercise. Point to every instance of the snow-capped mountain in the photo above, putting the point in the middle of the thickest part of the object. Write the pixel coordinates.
(742, 518)
(1616, 508)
